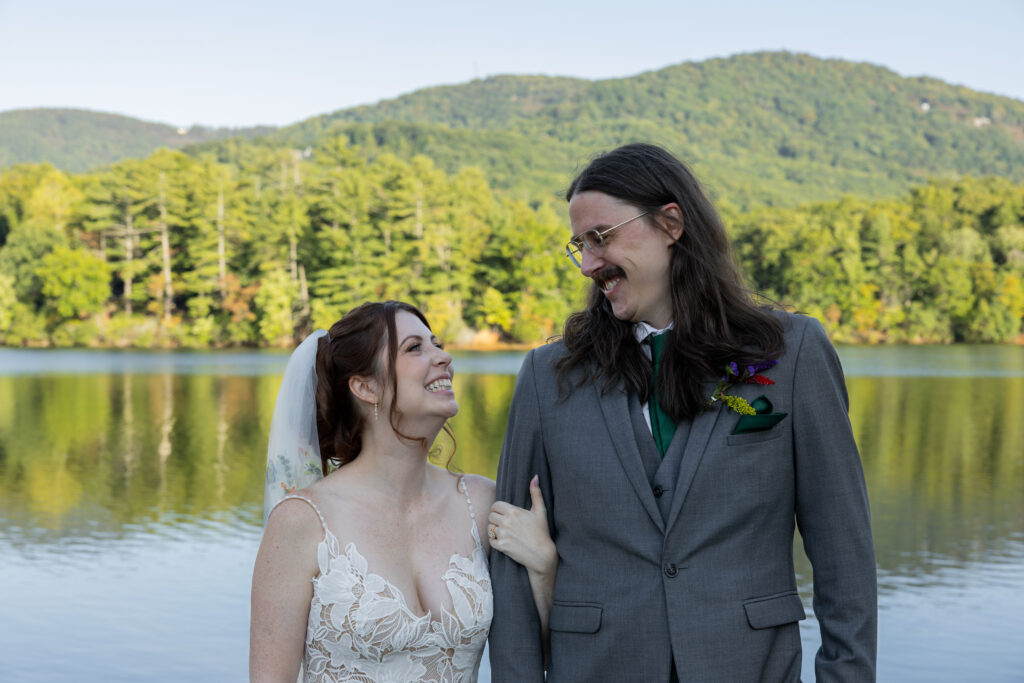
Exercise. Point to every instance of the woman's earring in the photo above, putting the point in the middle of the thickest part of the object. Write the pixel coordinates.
(376, 411)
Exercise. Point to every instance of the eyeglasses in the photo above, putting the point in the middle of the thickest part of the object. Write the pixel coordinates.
(592, 239)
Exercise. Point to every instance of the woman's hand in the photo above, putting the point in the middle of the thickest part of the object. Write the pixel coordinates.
(523, 535)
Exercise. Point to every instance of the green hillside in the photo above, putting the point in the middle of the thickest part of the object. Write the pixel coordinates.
(770, 128)
(890, 208)
(76, 140)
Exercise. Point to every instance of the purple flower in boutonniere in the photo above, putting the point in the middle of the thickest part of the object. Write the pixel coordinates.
(733, 375)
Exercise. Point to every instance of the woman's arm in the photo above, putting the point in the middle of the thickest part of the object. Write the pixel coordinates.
(282, 589)
(523, 535)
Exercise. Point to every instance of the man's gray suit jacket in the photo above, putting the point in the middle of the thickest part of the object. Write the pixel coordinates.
(710, 587)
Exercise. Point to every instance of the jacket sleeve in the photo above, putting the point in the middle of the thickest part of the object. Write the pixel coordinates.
(516, 650)
(832, 514)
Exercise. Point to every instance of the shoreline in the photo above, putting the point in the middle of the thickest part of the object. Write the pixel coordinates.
(474, 346)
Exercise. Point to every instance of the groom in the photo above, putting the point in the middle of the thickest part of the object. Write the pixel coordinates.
(679, 432)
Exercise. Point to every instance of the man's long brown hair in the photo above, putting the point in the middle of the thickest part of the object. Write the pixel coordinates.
(716, 319)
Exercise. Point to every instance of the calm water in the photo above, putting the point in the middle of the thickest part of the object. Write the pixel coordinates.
(131, 497)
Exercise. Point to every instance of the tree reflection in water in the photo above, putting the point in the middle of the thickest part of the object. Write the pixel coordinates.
(94, 459)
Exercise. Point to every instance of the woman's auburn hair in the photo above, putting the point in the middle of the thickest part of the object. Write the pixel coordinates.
(352, 348)
(716, 318)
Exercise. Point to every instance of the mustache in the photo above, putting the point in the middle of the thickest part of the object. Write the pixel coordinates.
(607, 273)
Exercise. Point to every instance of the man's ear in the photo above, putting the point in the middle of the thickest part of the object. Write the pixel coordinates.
(671, 220)
(365, 389)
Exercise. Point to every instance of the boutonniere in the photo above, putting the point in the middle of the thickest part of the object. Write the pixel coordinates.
(733, 376)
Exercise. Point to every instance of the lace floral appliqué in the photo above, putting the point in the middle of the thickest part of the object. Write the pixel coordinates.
(361, 629)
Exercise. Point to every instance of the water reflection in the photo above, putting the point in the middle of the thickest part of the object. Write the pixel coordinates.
(109, 475)
(89, 454)
(942, 457)
(107, 450)
(945, 467)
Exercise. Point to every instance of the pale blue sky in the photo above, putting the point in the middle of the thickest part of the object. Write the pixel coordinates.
(242, 63)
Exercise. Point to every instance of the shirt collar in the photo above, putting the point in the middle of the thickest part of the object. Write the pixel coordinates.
(642, 330)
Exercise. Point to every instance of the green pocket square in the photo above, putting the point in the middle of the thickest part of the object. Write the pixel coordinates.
(765, 418)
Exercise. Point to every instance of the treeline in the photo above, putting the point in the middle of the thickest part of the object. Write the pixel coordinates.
(177, 251)
(943, 264)
(174, 251)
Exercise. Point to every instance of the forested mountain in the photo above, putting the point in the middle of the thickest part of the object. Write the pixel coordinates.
(77, 140)
(770, 128)
(848, 192)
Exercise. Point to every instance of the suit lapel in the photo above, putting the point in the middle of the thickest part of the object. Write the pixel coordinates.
(700, 433)
(615, 406)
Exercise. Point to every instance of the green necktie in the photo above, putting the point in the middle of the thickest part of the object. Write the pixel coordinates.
(663, 428)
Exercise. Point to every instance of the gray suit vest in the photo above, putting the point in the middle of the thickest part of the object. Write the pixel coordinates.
(662, 473)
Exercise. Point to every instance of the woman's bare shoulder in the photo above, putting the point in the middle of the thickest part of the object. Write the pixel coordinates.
(290, 538)
(295, 514)
(481, 490)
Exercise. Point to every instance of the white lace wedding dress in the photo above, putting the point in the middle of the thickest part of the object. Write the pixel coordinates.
(361, 628)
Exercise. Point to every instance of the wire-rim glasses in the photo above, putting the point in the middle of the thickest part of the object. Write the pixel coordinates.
(592, 239)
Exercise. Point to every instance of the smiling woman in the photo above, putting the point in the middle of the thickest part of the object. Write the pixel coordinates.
(425, 368)
(376, 567)
(359, 363)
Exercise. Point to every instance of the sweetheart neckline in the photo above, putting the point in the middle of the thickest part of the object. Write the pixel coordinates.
(404, 604)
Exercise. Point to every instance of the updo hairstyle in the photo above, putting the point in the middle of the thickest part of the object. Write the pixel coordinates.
(352, 349)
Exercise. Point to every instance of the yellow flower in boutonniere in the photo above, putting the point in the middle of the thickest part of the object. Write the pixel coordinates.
(733, 376)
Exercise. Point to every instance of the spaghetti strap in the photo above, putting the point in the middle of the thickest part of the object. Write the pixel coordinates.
(473, 531)
(323, 522)
(465, 492)
(329, 547)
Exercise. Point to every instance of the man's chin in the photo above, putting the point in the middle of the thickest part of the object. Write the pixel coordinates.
(621, 313)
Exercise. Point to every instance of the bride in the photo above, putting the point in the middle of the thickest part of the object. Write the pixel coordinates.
(378, 570)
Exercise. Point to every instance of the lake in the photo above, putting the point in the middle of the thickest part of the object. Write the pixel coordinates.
(131, 489)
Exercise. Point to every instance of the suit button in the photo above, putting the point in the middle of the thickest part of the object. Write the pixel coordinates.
(671, 570)
(658, 491)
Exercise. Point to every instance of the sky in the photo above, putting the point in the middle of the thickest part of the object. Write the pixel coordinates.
(232, 63)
